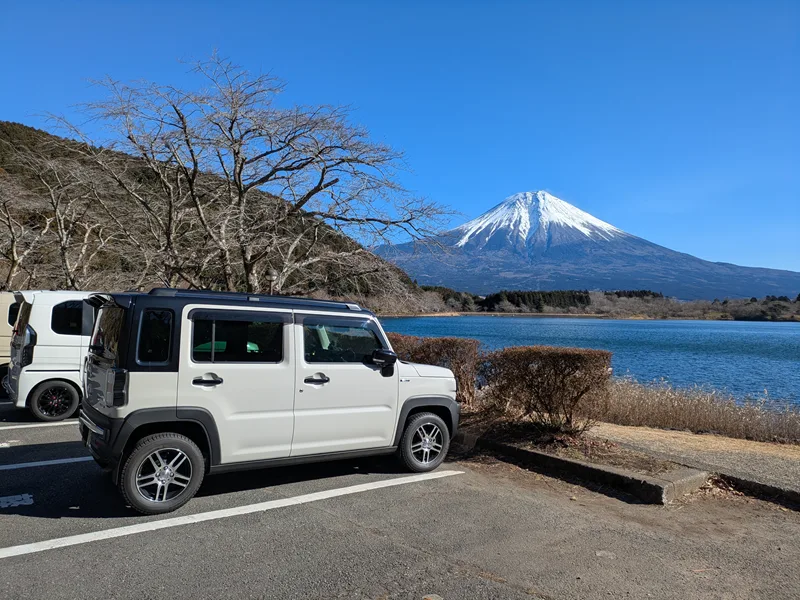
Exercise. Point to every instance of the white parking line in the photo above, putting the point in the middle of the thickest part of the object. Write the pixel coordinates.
(32, 425)
(106, 534)
(45, 463)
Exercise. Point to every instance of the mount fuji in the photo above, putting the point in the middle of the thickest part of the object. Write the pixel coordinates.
(535, 241)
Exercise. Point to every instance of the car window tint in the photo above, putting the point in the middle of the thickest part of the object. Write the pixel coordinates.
(67, 318)
(237, 341)
(13, 311)
(339, 343)
(155, 336)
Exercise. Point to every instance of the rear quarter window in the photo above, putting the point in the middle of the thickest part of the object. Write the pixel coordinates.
(67, 318)
(155, 337)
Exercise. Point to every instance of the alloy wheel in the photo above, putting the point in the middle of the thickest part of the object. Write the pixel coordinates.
(426, 445)
(55, 401)
(163, 475)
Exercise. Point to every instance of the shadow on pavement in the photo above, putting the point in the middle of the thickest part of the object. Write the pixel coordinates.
(10, 414)
(270, 477)
(83, 491)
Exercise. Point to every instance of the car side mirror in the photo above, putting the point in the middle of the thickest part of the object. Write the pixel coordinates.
(383, 357)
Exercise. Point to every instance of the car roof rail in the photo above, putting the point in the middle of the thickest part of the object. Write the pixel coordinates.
(266, 298)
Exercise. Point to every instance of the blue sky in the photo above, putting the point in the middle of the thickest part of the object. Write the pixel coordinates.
(676, 121)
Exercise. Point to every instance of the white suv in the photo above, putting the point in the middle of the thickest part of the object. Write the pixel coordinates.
(48, 348)
(183, 383)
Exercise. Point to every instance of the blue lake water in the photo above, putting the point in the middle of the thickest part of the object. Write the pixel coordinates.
(742, 358)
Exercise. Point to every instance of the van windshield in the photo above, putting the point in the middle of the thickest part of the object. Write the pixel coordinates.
(107, 333)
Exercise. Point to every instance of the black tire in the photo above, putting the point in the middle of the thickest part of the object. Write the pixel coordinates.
(54, 401)
(412, 453)
(138, 464)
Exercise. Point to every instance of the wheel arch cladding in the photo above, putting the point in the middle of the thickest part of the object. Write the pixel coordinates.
(195, 423)
(445, 408)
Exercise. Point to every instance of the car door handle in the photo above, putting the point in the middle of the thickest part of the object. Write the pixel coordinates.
(206, 382)
(321, 379)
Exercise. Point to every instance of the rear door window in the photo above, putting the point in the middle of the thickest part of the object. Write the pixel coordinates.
(339, 340)
(67, 318)
(230, 337)
(155, 337)
(13, 311)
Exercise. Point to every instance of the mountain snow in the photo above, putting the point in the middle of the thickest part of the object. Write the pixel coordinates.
(522, 215)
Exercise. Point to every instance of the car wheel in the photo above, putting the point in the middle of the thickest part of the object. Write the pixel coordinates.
(162, 473)
(425, 442)
(54, 401)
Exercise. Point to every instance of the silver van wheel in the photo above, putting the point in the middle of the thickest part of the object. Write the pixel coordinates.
(426, 445)
(163, 475)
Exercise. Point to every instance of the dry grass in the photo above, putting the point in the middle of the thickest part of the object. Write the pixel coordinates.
(701, 411)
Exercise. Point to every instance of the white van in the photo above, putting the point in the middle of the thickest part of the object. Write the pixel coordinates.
(180, 384)
(9, 307)
(48, 349)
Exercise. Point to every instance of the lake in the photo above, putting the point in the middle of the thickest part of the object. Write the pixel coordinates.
(743, 358)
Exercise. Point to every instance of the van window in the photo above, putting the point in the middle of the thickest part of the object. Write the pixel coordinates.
(13, 311)
(223, 340)
(107, 333)
(67, 317)
(326, 342)
(155, 337)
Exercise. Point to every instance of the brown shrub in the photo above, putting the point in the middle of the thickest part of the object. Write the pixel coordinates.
(559, 389)
(460, 355)
(701, 410)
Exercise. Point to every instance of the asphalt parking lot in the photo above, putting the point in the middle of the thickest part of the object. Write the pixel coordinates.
(478, 528)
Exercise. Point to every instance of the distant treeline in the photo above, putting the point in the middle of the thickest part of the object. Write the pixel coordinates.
(614, 303)
(635, 294)
(536, 301)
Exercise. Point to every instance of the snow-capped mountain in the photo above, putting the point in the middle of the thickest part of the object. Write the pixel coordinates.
(535, 241)
(532, 220)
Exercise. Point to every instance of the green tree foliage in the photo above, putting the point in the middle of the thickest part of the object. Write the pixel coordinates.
(460, 301)
(536, 301)
(635, 294)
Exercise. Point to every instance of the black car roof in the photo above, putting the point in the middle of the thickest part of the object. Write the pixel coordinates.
(240, 298)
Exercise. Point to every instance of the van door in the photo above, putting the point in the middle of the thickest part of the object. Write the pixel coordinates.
(343, 402)
(238, 365)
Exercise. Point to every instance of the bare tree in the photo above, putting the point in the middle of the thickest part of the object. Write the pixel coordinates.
(77, 233)
(23, 228)
(229, 185)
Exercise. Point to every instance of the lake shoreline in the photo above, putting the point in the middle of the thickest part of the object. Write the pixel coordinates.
(742, 359)
(574, 316)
